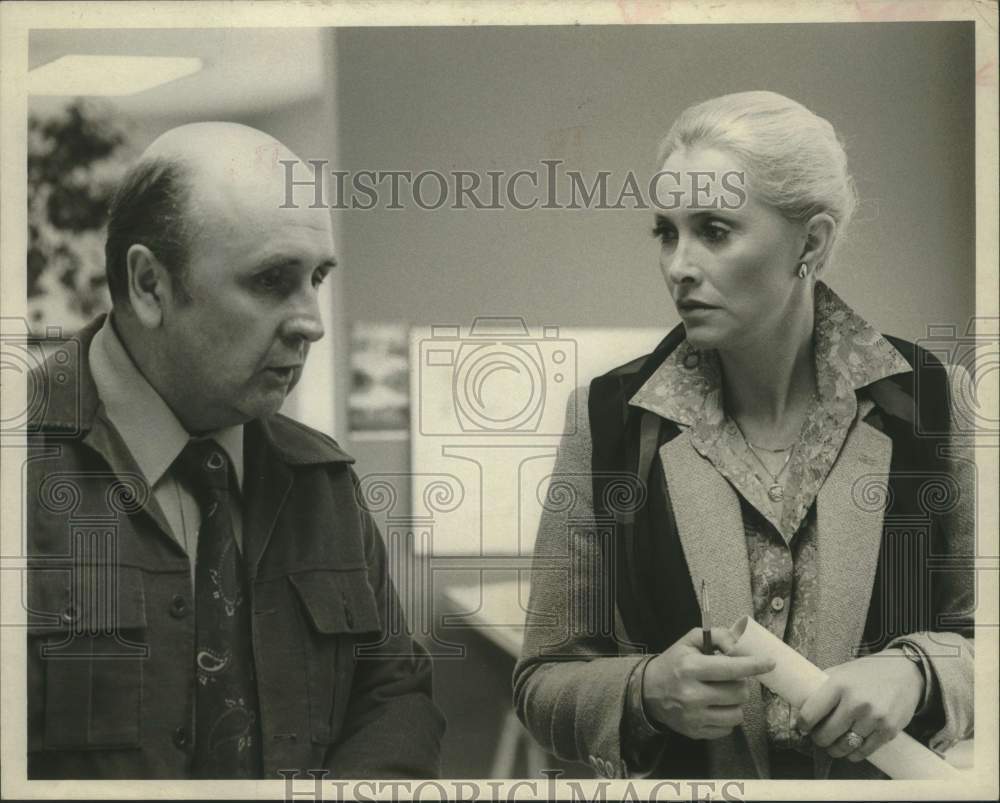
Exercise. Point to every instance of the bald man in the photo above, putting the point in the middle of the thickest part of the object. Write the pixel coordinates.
(206, 597)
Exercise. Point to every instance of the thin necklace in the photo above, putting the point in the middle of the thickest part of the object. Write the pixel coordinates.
(775, 491)
(764, 448)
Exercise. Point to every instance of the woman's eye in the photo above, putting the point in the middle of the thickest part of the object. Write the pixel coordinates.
(714, 233)
(318, 278)
(664, 232)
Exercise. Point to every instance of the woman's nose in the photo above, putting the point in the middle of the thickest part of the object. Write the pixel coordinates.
(680, 266)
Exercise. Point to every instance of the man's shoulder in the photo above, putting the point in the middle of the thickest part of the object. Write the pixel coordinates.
(60, 393)
(300, 444)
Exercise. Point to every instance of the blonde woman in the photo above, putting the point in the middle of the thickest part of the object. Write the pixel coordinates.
(783, 451)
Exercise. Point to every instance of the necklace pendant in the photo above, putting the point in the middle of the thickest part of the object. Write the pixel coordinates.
(775, 493)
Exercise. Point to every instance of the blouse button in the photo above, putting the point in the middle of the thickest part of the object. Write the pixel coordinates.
(692, 360)
(778, 604)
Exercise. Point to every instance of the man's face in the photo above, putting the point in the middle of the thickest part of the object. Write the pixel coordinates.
(237, 347)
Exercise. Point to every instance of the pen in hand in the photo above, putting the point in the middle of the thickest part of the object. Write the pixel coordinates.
(706, 622)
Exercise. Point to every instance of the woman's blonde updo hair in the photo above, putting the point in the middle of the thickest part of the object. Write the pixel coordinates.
(793, 158)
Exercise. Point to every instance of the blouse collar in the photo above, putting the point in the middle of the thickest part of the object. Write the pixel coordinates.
(849, 356)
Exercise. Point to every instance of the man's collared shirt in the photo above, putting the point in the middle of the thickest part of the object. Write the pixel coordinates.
(155, 437)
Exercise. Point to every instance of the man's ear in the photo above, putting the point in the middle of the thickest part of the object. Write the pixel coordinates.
(820, 231)
(148, 285)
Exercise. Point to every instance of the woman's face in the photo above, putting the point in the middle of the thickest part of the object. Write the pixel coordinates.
(731, 271)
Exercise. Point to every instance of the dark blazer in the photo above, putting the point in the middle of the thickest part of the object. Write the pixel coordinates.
(637, 513)
(110, 620)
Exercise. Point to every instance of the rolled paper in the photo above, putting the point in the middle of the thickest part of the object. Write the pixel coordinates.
(794, 678)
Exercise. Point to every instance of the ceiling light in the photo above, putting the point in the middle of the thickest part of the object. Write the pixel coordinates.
(107, 75)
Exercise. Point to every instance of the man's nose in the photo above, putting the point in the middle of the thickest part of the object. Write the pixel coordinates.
(305, 321)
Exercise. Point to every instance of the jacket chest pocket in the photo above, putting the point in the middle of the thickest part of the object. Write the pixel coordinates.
(86, 647)
(339, 611)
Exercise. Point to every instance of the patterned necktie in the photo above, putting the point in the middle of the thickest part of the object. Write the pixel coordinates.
(227, 740)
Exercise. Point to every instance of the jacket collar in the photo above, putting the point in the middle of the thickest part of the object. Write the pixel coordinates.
(850, 355)
(62, 391)
(296, 444)
(71, 406)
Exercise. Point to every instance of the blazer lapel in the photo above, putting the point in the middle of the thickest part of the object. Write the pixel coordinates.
(710, 528)
(850, 509)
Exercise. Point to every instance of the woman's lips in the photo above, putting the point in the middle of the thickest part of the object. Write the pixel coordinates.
(693, 306)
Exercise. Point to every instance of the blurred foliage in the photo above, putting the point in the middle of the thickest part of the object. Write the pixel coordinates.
(75, 159)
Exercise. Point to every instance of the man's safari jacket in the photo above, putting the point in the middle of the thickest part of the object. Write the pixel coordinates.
(111, 606)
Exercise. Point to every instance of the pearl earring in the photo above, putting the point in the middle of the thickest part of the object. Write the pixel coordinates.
(803, 270)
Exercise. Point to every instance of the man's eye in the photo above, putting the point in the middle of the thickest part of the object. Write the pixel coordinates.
(271, 280)
(318, 278)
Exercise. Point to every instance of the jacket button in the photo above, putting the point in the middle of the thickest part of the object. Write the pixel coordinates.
(348, 616)
(180, 738)
(778, 604)
(178, 607)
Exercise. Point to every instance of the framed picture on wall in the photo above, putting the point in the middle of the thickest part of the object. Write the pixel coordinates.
(379, 400)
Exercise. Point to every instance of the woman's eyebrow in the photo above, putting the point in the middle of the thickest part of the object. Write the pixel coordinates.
(697, 215)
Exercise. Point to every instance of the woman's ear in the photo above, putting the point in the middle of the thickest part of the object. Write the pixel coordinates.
(148, 285)
(820, 231)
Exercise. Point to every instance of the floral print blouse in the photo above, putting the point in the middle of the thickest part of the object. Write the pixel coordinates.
(781, 547)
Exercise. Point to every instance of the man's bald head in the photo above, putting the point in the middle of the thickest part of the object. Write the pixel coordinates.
(191, 178)
(219, 279)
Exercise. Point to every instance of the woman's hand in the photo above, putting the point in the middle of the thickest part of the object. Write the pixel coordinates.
(699, 696)
(875, 697)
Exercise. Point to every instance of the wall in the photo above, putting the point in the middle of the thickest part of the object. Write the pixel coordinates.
(900, 95)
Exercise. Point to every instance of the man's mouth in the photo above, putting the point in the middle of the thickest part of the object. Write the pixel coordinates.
(283, 371)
